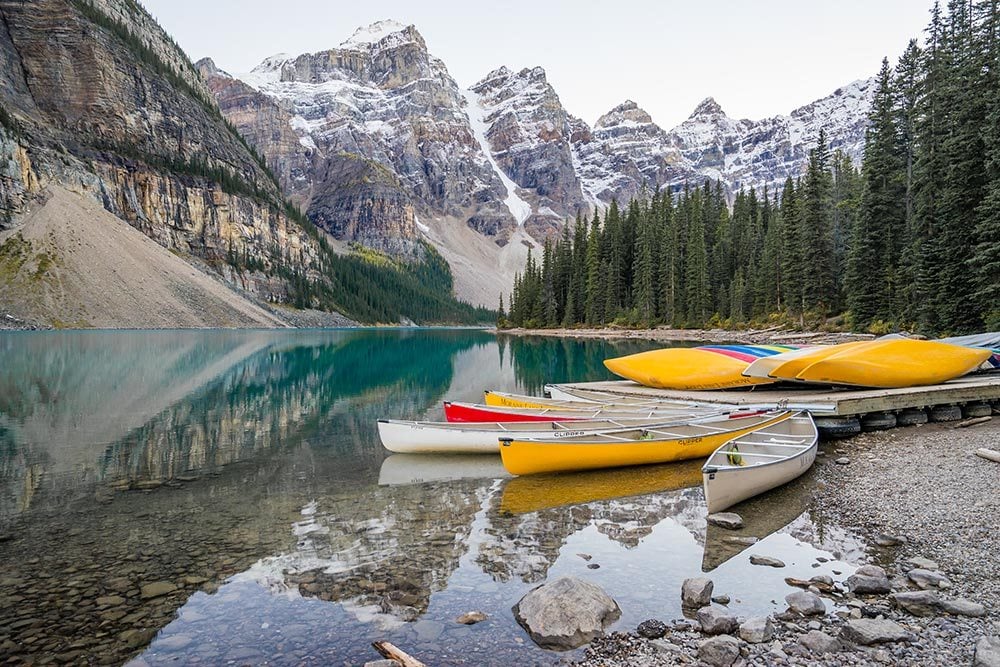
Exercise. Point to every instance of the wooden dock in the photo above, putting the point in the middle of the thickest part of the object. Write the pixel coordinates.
(826, 401)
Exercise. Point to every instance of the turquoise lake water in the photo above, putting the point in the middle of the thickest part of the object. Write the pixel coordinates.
(204, 497)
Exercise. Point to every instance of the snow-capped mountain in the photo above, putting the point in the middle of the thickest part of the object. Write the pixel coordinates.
(379, 144)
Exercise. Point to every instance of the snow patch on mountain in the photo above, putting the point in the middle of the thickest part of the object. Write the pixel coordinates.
(520, 209)
(373, 34)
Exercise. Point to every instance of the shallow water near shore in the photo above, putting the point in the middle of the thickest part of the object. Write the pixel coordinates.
(205, 497)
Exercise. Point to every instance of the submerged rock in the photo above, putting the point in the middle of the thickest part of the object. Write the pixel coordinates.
(471, 618)
(566, 613)
(728, 520)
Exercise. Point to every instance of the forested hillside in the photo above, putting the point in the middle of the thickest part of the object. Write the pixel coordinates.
(912, 240)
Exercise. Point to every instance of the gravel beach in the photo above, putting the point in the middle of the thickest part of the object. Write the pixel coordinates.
(910, 493)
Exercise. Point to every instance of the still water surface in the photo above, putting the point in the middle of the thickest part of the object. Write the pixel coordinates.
(206, 497)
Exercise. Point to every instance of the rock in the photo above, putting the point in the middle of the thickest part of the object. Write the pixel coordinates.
(919, 563)
(696, 592)
(843, 460)
(471, 618)
(156, 589)
(868, 580)
(651, 629)
(820, 643)
(716, 621)
(918, 603)
(887, 540)
(746, 540)
(766, 560)
(566, 613)
(805, 603)
(427, 630)
(757, 629)
(110, 601)
(728, 520)
(868, 631)
(987, 652)
(721, 599)
(721, 651)
(928, 578)
(382, 663)
(961, 607)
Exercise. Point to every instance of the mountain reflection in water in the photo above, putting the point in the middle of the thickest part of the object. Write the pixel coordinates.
(218, 496)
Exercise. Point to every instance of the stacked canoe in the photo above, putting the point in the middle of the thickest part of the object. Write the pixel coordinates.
(890, 362)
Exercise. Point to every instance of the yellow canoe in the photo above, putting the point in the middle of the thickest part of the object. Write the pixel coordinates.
(794, 363)
(888, 364)
(540, 492)
(693, 368)
(628, 447)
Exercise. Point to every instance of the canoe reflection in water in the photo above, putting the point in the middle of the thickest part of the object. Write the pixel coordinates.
(539, 492)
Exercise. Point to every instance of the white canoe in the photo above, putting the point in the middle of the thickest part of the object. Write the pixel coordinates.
(504, 399)
(561, 392)
(404, 469)
(426, 437)
(759, 461)
(761, 368)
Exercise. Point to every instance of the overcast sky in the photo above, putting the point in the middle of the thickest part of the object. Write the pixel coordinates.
(757, 58)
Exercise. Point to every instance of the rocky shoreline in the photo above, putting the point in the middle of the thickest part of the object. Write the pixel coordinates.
(929, 595)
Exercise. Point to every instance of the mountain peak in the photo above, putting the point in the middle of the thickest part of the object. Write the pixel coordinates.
(708, 107)
(374, 33)
(627, 111)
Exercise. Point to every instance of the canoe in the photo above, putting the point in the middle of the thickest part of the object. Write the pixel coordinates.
(763, 367)
(612, 449)
(507, 400)
(888, 364)
(404, 469)
(428, 437)
(455, 411)
(752, 463)
(534, 493)
(793, 364)
(704, 368)
(561, 392)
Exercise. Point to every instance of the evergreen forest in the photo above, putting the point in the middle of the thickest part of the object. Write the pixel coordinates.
(910, 240)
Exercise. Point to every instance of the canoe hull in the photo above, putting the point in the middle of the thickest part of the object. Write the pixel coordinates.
(691, 369)
(745, 466)
(467, 412)
(893, 364)
(727, 487)
(529, 457)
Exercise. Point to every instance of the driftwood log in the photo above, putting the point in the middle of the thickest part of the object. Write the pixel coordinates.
(972, 422)
(989, 454)
(392, 652)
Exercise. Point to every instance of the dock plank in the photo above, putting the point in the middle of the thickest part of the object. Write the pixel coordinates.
(824, 401)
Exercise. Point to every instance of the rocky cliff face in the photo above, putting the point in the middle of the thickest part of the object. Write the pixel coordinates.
(383, 133)
(107, 106)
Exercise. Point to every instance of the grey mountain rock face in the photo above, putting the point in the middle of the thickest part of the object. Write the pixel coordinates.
(373, 136)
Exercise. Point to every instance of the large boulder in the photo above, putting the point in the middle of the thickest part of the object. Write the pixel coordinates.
(696, 592)
(867, 631)
(987, 652)
(805, 603)
(721, 651)
(918, 603)
(716, 621)
(757, 630)
(566, 613)
(868, 580)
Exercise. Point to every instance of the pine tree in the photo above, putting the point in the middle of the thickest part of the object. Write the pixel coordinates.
(818, 285)
(877, 235)
(792, 258)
